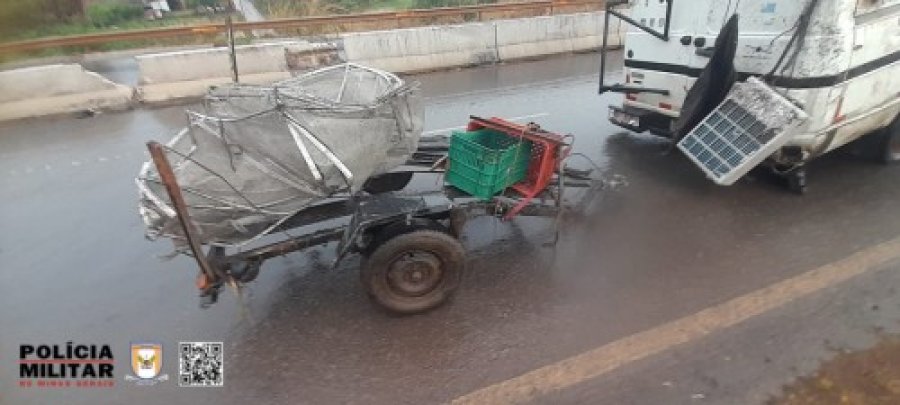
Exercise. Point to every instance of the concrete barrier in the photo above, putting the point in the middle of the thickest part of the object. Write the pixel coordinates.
(440, 47)
(541, 36)
(423, 48)
(58, 89)
(174, 76)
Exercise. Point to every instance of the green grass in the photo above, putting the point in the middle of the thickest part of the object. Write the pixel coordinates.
(80, 28)
(394, 4)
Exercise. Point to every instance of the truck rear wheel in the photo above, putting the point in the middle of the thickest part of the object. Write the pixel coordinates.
(891, 142)
(796, 180)
(415, 271)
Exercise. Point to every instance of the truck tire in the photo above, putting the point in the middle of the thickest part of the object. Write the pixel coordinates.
(890, 145)
(796, 181)
(414, 272)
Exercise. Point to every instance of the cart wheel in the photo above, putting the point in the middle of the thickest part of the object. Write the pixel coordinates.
(415, 271)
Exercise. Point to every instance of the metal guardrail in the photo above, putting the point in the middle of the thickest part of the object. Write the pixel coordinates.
(547, 7)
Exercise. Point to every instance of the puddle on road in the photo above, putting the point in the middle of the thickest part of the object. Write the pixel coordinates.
(870, 377)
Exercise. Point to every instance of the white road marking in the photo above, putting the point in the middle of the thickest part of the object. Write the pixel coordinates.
(607, 358)
(76, 163)
(520, 118)
(102, 159)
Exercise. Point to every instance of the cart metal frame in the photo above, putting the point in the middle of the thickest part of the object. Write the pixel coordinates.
(368, 214)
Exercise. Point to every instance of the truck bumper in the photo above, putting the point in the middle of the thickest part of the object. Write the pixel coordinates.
(639, 120)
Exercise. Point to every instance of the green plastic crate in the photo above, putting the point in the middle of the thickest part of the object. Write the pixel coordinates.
(485, 162)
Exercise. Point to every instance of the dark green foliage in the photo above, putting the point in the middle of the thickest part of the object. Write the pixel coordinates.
(192, 4)
(109, 14)
(16, 15)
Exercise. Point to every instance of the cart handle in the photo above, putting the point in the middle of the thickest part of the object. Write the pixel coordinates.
(167, 177)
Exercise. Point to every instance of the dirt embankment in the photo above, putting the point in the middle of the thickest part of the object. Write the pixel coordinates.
(869, 377)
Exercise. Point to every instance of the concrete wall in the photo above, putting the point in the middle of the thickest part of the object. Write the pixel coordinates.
(58, 89)
(173, 76)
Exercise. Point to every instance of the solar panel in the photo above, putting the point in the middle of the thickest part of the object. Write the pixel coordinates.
(748, 126)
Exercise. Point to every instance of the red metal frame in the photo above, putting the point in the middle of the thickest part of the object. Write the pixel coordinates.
(548, 149)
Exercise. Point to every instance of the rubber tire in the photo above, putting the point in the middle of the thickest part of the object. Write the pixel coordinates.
(373, 270)
(390, 231)
(890, 134)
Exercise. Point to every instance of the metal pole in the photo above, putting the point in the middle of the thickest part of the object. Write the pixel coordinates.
(669, 4)
(167, 177)
(603, 48)
(231, 52)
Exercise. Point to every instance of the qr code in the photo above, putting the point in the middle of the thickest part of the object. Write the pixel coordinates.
(200, 364)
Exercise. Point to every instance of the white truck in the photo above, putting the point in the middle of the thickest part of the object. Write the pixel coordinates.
(838, 59)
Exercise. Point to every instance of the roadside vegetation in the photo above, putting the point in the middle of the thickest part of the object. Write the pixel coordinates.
(32, 19)
(28, 19)
(290, 8)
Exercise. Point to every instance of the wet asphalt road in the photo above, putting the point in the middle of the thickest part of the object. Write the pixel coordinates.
(74, 266)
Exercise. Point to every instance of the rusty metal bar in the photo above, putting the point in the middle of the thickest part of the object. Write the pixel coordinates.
(287, 23)
(167, 177)
(100, 38)
(502, 125)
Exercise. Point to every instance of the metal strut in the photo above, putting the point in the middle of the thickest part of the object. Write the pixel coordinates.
(167, 177)
(664, 36)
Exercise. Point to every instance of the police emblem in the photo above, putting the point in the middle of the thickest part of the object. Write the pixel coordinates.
(146, 363)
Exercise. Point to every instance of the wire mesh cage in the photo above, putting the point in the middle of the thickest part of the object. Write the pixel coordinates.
(259, 154)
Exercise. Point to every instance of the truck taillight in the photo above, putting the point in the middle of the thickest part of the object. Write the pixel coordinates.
(838, 114)
(631, 96)
(665, 106)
